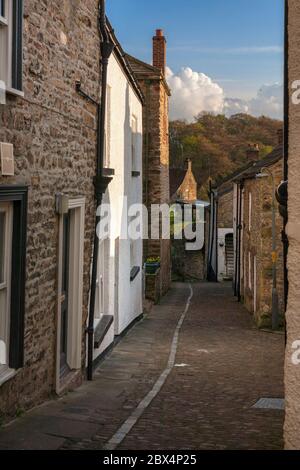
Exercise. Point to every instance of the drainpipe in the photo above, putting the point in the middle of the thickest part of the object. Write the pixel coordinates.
(240, 227)
(236, 241)
(101, 181)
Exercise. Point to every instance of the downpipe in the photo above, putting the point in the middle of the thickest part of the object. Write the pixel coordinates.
(101, 182)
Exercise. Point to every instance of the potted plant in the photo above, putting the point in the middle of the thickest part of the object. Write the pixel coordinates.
(152, 265)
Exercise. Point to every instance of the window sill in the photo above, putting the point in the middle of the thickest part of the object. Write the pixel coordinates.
(6, 374)
(14, 92)
(108, 171)
(3, 21)
(134, 273)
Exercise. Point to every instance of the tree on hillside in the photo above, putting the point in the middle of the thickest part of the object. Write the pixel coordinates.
(217, 145)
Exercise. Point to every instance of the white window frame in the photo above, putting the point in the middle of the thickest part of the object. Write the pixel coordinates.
(249, 271)
(6, 51)
(6, 28)
(134, 132)
(4, 19)
(107, 130)
(250, 211)
(75, 308)
(7, 208)
(101, 283)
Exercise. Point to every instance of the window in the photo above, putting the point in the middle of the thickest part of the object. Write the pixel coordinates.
(70, 290)
(250, 211)
(101, 282)
(11, 31)
(107, 132)
(249, 271)
(5, 276)
(2, 11)
(134, 130)
(13, 211)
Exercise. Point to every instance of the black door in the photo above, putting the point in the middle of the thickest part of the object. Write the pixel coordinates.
(65, 295)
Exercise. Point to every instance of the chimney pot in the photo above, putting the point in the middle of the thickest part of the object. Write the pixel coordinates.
(253, 152)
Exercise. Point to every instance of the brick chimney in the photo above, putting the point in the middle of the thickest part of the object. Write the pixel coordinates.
(160, 51)
(280, 136)
(253, 152)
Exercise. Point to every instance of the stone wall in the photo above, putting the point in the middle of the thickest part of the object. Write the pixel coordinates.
(257, 241)
(292, 371)
(53, 132)
(156, 166)
(187, 265)
(225, 209)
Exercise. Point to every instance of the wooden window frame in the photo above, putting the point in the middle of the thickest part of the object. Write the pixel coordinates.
(75, 329)
(18, 196)
(11, 52)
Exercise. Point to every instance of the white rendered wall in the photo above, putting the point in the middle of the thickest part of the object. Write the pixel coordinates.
(222, 232)
(124, 298)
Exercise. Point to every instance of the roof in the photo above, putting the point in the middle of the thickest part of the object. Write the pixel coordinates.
(142, 70)
(177, 176)
(250, 169)
(275, 156)
(124, 63)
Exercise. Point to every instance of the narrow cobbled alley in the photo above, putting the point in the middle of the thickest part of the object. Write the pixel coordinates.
(202, 398)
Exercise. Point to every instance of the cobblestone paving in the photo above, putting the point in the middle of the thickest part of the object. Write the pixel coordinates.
(224, 365)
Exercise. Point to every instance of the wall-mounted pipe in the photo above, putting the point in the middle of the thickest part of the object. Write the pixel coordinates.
(101, 181)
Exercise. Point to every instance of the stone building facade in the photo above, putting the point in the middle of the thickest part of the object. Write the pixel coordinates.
(292, 366)
(185, 184)
(48, 149)
(152, 81)
(255, 188)
(53, 133)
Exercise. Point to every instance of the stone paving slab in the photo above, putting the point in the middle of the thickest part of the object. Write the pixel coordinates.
(223, 367)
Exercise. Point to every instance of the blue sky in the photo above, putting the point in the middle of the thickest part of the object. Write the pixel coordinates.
(237, 43)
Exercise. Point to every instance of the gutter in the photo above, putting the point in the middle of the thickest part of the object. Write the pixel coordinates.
(101, 181)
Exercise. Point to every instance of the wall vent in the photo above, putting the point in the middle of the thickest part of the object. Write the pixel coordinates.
(7, 159)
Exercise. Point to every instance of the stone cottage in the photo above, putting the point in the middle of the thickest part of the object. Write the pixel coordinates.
(152, 81)
(242, 245)
(183, 184)
(50, 82)
(258, 247)
(186, 264)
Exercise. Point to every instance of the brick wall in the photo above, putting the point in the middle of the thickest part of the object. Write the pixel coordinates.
(53, 132)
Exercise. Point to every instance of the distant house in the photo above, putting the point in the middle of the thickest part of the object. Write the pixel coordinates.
(184, 190)
(254, 192)
(183, 184)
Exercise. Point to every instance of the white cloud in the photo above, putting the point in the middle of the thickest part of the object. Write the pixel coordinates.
(268, 102)
(194, 92)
